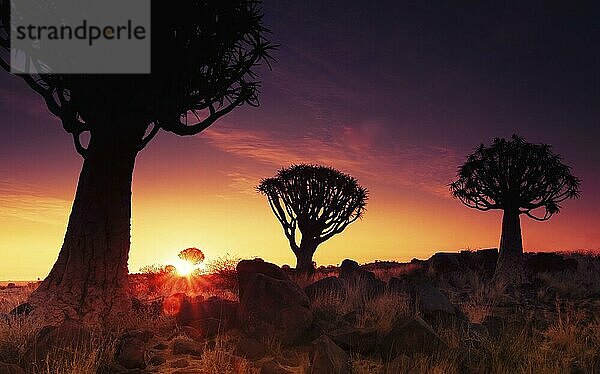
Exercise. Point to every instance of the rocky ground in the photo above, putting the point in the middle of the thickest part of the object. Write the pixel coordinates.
(439, 315)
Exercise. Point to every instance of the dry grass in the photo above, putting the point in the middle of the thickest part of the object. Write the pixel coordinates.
(564, 339)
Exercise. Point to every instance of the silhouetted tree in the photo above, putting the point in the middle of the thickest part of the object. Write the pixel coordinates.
(192, 255)
(518, 178)
(317, 201)
(203, 60)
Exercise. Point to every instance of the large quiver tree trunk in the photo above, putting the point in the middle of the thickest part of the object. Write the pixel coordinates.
(89, 280)
(304, 255)
(510, 266)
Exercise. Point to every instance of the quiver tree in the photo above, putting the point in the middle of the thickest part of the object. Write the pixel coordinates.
(203, 59)
(313, 203)
(519, 178)
(192, 255)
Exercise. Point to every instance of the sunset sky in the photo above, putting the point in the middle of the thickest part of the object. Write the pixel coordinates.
(396, 95)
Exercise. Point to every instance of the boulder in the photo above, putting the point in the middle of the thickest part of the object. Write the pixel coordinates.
(157, 360)
(326, 357)
(441, 262)
(57, 342)
(10, 369)
(172, 304)
(250, 349)
(180, 363)
(22, 309)
(131, 349)
(208, 316)
(215, 307)
(187, 346)
(247, 268)
(432, 303)
(209, 327)
(550, 262)
(273, 367)
(494, 325)
(354, 339)
(191, 332)
(356, 276)
(410, 337)
(272, 306)
(327, 286)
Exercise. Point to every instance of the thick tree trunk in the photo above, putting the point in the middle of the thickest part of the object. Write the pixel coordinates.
(509, 269)
(89, 279)
(304, 256)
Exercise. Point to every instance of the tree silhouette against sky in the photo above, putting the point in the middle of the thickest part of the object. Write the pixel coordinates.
(518, 178)
(313, 203)
(192, 255)
(203, 60)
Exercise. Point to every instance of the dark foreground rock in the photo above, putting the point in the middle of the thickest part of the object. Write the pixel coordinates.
(326, 357)
(356, 276)
(410, 337)
(53, 343)
(10, 369)
(271, 305)
(329, 286)
(249, 348)
(131, 349)
(355, 340)
(550, 262)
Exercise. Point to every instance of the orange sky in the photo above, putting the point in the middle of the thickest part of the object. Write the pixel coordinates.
(397, 100)
(205, 197)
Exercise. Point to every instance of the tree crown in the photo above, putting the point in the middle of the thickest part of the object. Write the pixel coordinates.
(192, 255)
(203, 59)
(515, 175)
(318, 201)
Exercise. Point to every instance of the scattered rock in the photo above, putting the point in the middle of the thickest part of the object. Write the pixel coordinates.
(191, 332)
(213, 308)
(356, 276)
(355, 340)
(494, 325)
(156, 360)
(56, 342)
(326, 357)
(22, 309)
(550, 262)
(209, 327)
(401, 364)
(249, 348)
(442, 262)
(131, 350)
(10, 369)
(327, 286)
(272, 305)
(187, 346)
(181, 363)
(11, 285)
(410, 337)
(432, 303)
(273, 367)
(247, 268)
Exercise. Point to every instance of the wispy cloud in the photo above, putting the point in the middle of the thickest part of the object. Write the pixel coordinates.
(360, 150)
(25, 201)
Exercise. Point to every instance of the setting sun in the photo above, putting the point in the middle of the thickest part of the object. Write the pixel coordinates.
(185, 268)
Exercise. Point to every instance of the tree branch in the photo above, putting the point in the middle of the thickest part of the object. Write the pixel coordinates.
(184, 130)
(78, 146)
(150, 136)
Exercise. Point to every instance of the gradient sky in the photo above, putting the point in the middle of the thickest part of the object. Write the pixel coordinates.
(394, 94)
